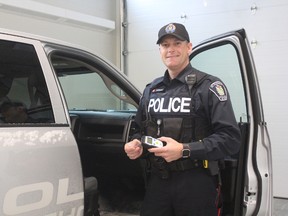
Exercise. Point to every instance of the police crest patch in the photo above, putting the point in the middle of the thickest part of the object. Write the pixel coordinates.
(219, 90)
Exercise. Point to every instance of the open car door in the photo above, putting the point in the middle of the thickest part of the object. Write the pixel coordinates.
(247, 176)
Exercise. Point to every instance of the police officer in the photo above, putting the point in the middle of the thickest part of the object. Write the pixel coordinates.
(191, 112)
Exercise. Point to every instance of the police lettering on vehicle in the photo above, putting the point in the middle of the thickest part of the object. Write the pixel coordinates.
(170, 105)
(16, 203)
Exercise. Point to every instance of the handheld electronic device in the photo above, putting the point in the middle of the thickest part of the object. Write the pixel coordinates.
(150, 142)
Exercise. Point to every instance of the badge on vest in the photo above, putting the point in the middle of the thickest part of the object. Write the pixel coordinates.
(158, 90)
(219, 90)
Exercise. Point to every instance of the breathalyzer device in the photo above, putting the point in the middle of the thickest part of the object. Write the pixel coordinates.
(150, 142)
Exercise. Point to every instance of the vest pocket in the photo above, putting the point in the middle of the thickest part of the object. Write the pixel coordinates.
(172, 127)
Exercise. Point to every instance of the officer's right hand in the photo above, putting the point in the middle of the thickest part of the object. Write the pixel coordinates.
(133, 149)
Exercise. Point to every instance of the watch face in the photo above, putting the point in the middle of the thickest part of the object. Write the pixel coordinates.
(185, 153)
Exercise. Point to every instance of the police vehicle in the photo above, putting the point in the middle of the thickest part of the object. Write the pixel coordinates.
(64, 155)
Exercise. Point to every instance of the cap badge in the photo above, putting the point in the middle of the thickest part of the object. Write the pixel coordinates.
(170, 28)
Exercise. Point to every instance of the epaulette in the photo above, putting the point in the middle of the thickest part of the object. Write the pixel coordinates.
(155, 82)
(151, 85)
(201, 76)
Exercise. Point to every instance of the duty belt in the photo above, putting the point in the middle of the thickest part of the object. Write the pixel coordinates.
(181, 165)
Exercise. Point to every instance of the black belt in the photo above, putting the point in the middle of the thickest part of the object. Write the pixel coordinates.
(186, 164)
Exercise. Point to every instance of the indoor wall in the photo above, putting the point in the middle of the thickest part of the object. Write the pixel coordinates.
(92, 24)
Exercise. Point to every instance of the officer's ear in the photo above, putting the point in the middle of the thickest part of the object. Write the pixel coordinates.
(189, 44)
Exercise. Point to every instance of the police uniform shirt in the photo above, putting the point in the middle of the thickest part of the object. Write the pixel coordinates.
(216, 134)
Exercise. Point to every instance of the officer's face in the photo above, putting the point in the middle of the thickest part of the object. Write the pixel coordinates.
(175, 53)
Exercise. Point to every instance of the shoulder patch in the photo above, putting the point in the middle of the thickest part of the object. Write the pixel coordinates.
(219, 90)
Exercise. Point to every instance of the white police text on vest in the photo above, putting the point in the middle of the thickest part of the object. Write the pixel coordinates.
(168, 105)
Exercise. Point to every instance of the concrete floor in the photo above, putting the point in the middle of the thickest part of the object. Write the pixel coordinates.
(280, 207)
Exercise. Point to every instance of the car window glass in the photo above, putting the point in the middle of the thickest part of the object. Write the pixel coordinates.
(222, 61)
(87, 88)
(24, 96)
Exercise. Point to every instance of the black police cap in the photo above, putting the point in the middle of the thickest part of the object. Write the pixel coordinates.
(175, 29)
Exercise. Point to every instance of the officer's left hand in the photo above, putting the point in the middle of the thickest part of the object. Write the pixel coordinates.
(170, 152)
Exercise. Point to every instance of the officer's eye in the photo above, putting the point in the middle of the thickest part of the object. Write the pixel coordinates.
(164, 45)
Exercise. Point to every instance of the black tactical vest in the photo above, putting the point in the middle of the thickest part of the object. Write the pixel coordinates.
(171, 111)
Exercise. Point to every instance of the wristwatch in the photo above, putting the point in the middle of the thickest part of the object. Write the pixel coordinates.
(186, 151)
